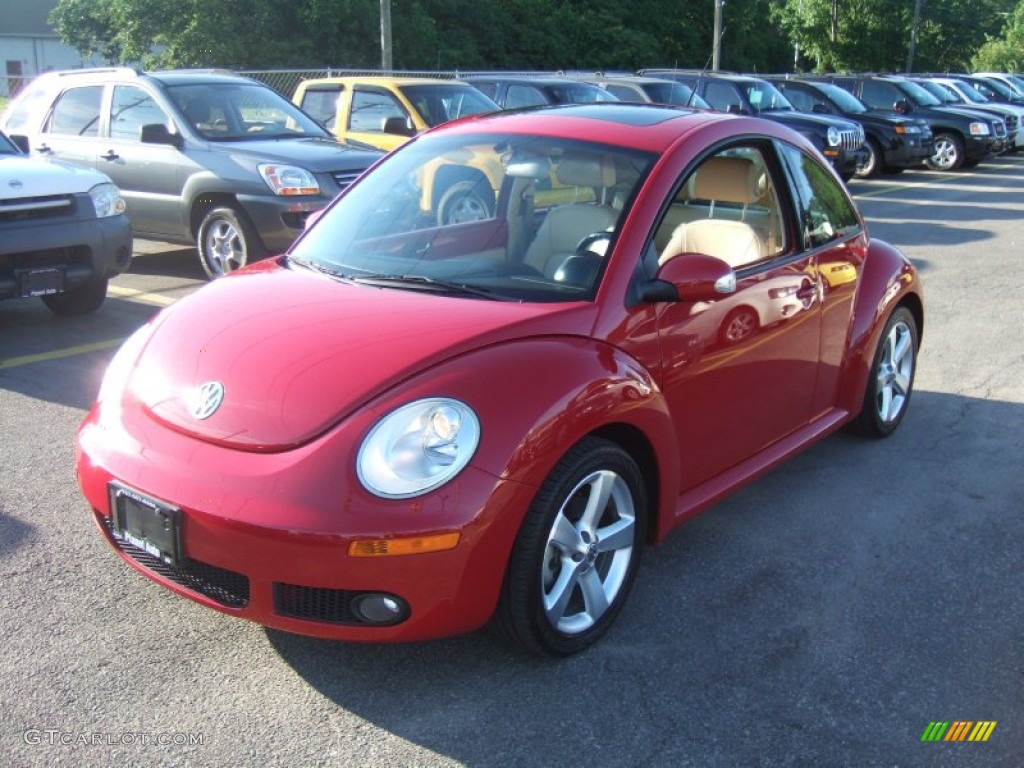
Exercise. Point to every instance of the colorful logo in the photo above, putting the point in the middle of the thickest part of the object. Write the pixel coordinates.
(958, 730)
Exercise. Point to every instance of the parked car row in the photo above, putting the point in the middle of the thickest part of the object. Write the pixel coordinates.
(228, 164)
(206, 158)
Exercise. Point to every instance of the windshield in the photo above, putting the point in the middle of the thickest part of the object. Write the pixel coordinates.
(765, 97)
(971, 93)
(442, 103)
(843, 99)
(674, 93)
(917, 94)
(942, 92)
(239, 111)
(480, 215)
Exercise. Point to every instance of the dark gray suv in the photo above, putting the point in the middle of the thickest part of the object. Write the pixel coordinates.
(201, 157)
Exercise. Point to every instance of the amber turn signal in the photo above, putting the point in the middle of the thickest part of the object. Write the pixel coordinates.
(414, 545)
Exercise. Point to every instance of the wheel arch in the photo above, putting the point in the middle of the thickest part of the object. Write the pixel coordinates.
(888, 281)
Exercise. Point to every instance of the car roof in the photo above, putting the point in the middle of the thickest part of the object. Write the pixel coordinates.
(652, 127)
(384, 80)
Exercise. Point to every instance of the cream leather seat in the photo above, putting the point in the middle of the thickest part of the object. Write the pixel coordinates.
(733, 180)
(565, 225)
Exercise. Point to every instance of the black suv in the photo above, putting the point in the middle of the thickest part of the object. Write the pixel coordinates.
(963, 138)
(841, 141)
(893, 141)
(201, 157)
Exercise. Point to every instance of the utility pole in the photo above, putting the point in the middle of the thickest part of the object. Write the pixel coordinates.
(716, 51)
(913, 36)
(385, 35)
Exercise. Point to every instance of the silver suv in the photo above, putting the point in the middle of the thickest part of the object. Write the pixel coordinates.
(202, 157)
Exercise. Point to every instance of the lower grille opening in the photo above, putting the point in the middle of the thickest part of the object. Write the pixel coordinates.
(229, 588)
(339, 606)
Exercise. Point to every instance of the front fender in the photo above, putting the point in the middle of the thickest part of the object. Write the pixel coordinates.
(537, 397)
(888, 279)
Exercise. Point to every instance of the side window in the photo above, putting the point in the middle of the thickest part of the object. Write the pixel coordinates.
(130, 109)
(879, 95)
(727, 207)
(371, 109)
(77, 112)
(523, 96)
(623, 92)
(826, 213)
(799, 98)
(488, 89)
(723, 97)
(322, 104)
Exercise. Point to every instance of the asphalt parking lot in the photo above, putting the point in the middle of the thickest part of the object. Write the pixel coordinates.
(825, 616)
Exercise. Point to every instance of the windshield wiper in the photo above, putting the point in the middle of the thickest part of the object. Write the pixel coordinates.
(419, 282)
(323, 269)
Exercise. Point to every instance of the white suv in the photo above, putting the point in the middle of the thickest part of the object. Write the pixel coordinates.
(63, 232)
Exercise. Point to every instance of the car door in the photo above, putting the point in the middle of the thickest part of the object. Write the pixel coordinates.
(71, 131)
(149, 175)
(739, 373)
(831, 229)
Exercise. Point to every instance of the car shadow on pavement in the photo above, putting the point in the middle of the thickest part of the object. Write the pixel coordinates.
(174, 262)
(864, 587)
(13, 533)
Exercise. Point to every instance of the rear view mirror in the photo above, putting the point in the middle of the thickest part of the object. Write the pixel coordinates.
(157, 133)
(398, 126)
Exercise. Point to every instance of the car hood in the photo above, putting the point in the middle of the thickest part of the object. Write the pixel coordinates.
(22, 176)
(296, 353)
(311, 153)
(806, 119)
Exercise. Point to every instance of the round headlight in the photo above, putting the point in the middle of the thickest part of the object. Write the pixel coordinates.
(417, 448)
(833, 136)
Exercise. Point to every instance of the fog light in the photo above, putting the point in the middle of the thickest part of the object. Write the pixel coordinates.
(378, 608)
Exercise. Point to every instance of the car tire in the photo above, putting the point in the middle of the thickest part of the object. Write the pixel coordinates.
(739, 325)
(891, 379)
(577, 552)
(78, 301)
(226, 242)
(874, 162)
(948, 154)
(464, 201)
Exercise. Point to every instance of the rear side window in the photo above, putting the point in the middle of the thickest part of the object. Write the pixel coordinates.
(77, 112)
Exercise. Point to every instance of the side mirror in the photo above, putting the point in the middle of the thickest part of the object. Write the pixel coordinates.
(157, 133)
(902, 106)
(820, 109)
(21, 142)
(398, 126)
(691, 277)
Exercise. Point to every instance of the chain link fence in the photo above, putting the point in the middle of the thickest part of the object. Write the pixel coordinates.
(285, 81)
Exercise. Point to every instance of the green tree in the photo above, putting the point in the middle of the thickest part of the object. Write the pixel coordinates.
(1004, 53)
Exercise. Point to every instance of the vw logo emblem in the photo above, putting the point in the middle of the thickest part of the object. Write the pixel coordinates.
(207, 399)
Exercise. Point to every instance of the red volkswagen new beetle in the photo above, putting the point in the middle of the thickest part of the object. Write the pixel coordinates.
(403, 430)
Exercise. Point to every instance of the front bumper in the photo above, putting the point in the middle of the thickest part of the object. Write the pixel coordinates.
(266, 537)
(84, 249)
(909, 151)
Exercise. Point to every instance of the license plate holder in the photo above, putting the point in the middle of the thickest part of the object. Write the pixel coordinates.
(41, 282)
(150, 525)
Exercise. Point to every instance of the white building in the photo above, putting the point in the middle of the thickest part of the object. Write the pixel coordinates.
(29, 46)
